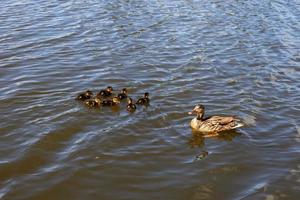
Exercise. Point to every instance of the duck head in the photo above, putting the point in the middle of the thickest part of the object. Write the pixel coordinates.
(146, 95)
(198, 110)
(109, 89)
(116, 100)
(88, 93)
(124, 91)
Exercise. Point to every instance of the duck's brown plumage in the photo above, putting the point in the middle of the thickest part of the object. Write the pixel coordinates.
(213, 123)
(144, 100)
(105, 93)
(123, 94)
(85, 95)
(130, 106)
(93, 102)
(111, 102)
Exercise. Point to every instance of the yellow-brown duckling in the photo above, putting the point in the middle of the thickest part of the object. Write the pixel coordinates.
(93, 102)
(105, 93)
(213, 124)
(84, 96)
(111, 102)
(123, 94)
(130, 105)
(144, 100)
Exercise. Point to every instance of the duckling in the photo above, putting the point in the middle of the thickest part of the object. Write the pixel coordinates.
(105, 93)
(123, 95)
(93, 102)
(84, 96)
(213, 124)
(111, 102)
(144, 100)
(130, 105)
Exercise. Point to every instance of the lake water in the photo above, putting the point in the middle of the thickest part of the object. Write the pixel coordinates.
(235, 57)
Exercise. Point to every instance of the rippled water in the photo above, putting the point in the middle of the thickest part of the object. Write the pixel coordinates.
(235, 57)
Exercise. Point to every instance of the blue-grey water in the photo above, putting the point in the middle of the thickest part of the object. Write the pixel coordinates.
(236, 57)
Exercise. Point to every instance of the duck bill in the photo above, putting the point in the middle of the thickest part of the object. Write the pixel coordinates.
(191, 112)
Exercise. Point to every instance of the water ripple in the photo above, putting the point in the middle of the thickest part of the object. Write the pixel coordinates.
(235, 57)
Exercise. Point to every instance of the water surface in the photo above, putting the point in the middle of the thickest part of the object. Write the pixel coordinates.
(235, 57)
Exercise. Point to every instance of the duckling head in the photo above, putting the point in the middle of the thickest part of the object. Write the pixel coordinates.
(116, 100)
(146, 95)
(88, 93)
(109, 89)
(199, 110)
(124, 91)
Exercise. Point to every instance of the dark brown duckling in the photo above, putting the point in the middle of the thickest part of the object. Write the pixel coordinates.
(130, 106)
(144, 100)
(106, 93)
(84, 96)
(111, 102)
(123, 95)
(93, 102)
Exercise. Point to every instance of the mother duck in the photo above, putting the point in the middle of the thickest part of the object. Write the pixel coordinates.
(213, 124)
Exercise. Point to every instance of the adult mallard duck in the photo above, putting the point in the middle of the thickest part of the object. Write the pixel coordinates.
(84, 96)
(213, 124)
(144, 100)
(93, 102)
(111, 102)
(105, 93)
(123, 94)
(130, 106)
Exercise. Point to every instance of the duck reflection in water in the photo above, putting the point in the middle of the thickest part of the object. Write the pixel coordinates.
(198, 138)
(115, 109)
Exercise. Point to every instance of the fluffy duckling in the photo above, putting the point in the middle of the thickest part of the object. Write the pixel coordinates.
(105, 93)
(213, 124)
(144, 100)
(123, 94)
(93, 102)
(84, 96)
(111, 102)
(130, 106)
